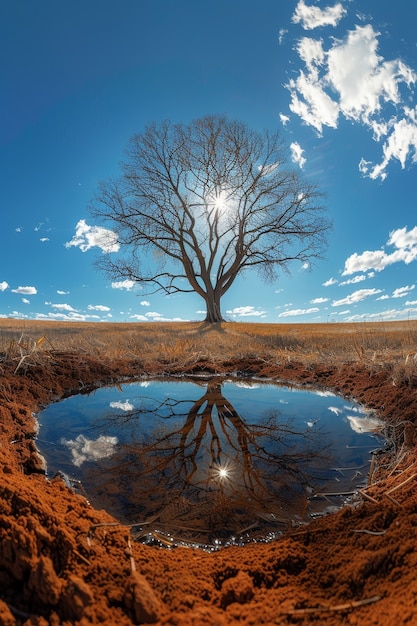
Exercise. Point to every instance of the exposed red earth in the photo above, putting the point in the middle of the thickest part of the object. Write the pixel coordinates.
(62, 562)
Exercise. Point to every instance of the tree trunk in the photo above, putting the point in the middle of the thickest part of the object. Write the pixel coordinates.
(213, 309)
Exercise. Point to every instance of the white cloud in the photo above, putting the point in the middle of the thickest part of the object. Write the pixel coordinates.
(352, 281)
(43, 239)
(246, 311)
(281, 35)
(401, 292)
(319, 300)
(405, 243)
(28, 291)
(365, 424)
(4, 286)
(330, 282)
(400, 144)
(388, 315)
(299, 312)
(145, 303)
(356, 296)
(98, 307)
(123, 406)
(25, 301)
(284, 118)
(297, 154)
(335, 410)
(62, 307)
(123, 284)
(348, 78)
(83, 449)
(155, 317)
(74, 316)
(312, 16)
(62, 293)
(87, 237)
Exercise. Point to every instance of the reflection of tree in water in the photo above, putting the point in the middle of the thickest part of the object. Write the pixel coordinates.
(209, 471)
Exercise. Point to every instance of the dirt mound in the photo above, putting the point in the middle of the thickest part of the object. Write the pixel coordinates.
(62, 562)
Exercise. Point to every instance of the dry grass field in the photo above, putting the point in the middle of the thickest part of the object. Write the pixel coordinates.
(373, 344)
(64, 563)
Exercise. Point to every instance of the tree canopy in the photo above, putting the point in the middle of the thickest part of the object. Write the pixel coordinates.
(197, 204)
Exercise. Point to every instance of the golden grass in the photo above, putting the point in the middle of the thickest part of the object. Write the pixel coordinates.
(373, 344)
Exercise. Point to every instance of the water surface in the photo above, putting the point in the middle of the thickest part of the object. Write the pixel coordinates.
(210, 462)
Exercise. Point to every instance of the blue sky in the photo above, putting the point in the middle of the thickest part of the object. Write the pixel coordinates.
(338, 79)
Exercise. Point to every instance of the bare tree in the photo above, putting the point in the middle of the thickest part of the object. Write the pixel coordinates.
(197, 204)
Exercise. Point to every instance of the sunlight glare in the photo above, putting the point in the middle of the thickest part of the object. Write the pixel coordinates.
(219, 201)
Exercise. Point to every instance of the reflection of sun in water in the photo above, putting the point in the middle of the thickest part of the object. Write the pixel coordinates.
(223, 473)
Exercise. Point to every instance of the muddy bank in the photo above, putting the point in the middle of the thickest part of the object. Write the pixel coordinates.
(62, 562)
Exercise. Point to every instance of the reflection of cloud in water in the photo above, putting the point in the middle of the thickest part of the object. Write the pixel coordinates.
(324, 394)
(84, 449)
(123, 406)
(246, 385)
(365, 424)
(335, 410)
(355, 409)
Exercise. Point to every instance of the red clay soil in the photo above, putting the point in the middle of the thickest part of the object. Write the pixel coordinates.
(59, 566)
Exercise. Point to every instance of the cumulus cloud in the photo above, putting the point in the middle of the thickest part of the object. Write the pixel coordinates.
(405, 251)
(27, 291)
(319, 300)
(87, 237)
(4, 286)
(154, 316)
(297, 154)
(62, 307)
(352, 281)
(98, 307)
(388, 315)
(72, 316)
(122, 406)
(281, 35)
(123, 284)
(356, 296)
(347, 78)
(246, 311)
(83, 449)
(312, 16)
(330, 282)
(299, 312)
(145, 303)
(284, 118)
(401, 292)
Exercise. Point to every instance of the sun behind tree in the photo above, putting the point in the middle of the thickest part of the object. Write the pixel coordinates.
(197, 204)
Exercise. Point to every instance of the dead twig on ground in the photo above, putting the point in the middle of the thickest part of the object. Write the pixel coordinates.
(332, 609)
